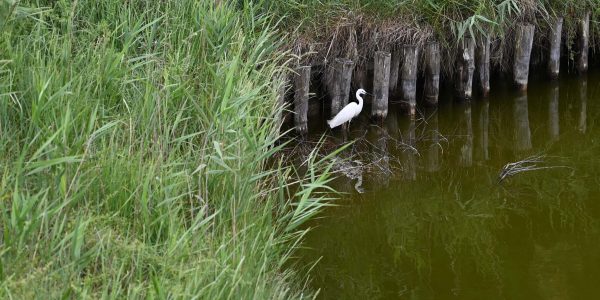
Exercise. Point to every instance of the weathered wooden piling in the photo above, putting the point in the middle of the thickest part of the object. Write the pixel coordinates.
(359, 77)
(524, 43)
(395, 69)
(342, 76)
(482, 58)
(301, 89)
(553, 117)
(521, 118)
(410, 58)
(583, 43)
(432, 73)
(465, 67)
(381, 82)
(555, 37)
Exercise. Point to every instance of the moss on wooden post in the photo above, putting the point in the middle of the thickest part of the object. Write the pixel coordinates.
(301, 86)
(432, 73)
(381, 81)
(524, 43)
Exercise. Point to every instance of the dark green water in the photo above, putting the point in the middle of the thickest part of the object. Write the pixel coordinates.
(435, 223)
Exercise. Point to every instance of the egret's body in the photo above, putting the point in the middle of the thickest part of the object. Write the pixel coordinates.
(350, 111)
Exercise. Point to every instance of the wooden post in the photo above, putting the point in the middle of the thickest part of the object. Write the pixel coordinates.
(483, 66)
(432, 73)
(554, 60)
(524, 43)
(553, 117)
(381, 81)
(394, 69)
(342, 77)
(583, 43)
(410, 58)
(521, 117)
(301, 85)
(464, 69)
(359, 77)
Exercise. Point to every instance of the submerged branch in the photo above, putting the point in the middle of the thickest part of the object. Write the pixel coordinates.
(532, 163)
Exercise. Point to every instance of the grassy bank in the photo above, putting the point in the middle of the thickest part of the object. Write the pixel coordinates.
(134, 143)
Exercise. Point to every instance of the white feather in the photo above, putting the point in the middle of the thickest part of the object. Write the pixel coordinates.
(345, 115)
(350, 111)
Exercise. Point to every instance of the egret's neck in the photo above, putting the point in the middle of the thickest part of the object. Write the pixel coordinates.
(359, 98)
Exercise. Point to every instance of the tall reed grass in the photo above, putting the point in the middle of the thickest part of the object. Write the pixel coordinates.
(138, 152)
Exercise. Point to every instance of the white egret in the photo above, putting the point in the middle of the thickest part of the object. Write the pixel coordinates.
(349, 111)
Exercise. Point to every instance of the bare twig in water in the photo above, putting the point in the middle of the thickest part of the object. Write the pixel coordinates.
(532, 163)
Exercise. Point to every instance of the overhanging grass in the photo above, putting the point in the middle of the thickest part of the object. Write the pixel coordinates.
(134, 142)
(356, 29)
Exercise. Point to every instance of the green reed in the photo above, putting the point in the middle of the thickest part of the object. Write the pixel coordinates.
(137, 145)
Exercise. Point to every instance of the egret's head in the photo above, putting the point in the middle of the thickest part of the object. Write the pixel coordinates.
(361, 92)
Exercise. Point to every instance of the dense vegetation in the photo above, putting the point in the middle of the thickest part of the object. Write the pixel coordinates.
(138, 139)
(355, 29)
(134, 143)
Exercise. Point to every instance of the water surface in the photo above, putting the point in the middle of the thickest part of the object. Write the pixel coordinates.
(435, 220)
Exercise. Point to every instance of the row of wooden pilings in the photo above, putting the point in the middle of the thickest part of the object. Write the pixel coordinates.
(472, 68)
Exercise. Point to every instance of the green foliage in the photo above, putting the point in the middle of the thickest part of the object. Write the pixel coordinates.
(136, 140)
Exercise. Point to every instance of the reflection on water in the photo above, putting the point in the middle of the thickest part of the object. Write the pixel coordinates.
(409, 151)
(435, 223)
(379, 145)
(583, 105)
(554, 127)
(521, 118)
(434, 148)
(484, 127)
(466, 134)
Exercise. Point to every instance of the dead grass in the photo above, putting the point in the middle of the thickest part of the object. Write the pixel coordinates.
(356, 33)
